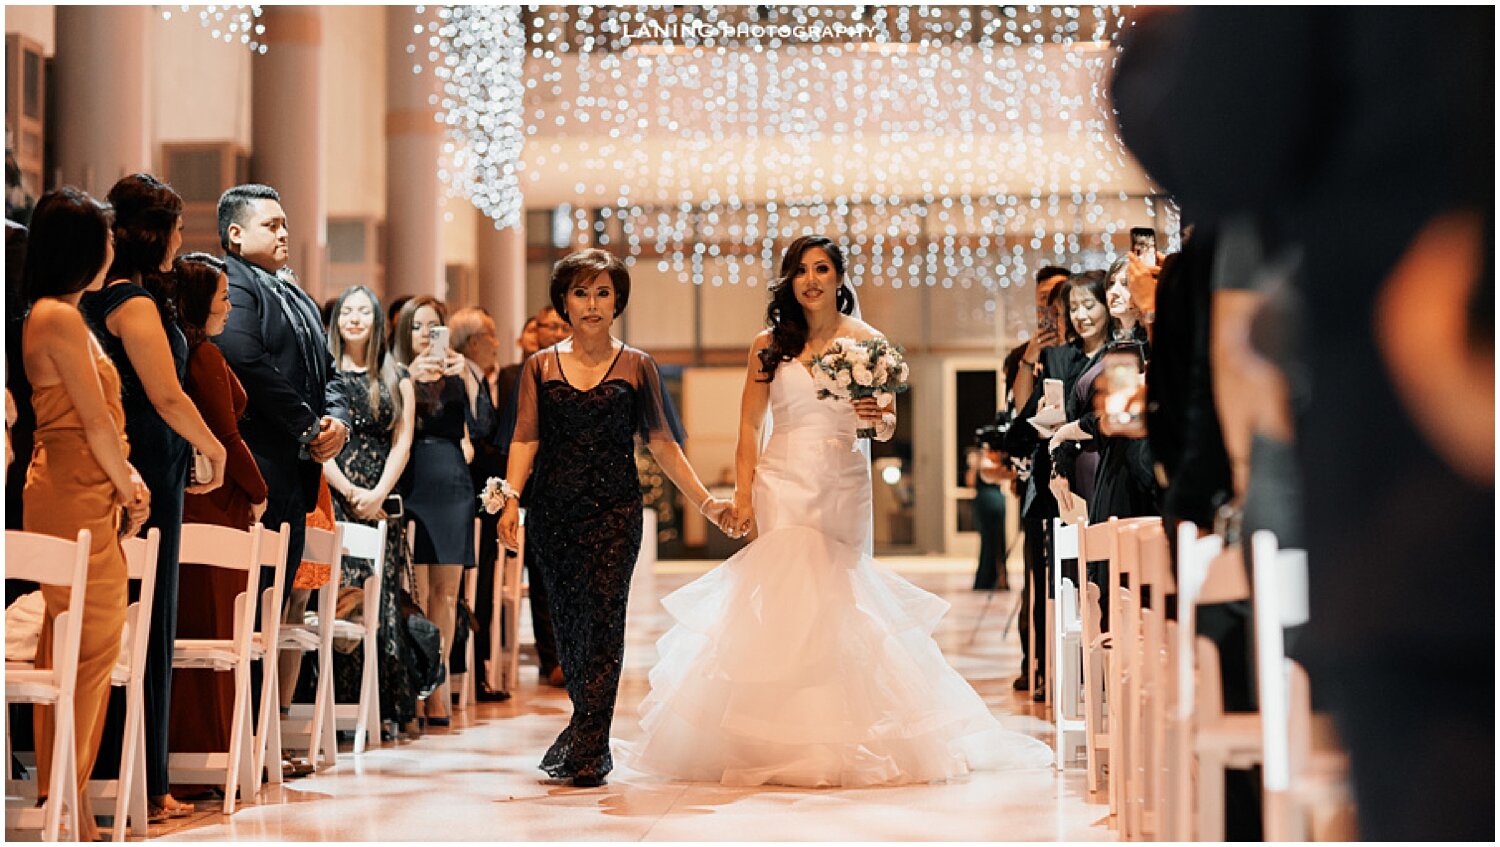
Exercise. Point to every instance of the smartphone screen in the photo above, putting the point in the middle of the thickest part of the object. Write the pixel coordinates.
(1143, 244)
(439, 342)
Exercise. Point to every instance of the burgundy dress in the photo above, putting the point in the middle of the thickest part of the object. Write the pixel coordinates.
(203, 700)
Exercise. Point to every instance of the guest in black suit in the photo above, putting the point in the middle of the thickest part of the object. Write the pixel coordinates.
(297, 415)
(550, 329)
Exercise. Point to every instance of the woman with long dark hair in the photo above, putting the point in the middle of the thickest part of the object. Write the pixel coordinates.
(382, 406)
(206, 595)
(79, 477)
(133, 318)
(801, 660)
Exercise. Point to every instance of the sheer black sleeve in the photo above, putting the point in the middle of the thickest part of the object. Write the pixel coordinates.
(656, 419)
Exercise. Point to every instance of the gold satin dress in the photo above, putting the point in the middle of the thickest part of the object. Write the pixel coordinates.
(67, 490)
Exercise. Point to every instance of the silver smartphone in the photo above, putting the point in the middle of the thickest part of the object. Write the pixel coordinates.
(439, 348)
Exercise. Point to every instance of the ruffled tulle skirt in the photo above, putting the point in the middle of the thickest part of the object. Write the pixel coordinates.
(802, 661)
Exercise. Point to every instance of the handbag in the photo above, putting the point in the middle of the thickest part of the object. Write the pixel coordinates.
(420, 641)
(202, 470)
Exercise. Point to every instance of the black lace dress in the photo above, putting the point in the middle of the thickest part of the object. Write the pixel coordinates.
(584, 520)
(363, 461)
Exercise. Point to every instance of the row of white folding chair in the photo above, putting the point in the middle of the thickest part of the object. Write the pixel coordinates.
(316, 723)
(249, 551)
(58, 563)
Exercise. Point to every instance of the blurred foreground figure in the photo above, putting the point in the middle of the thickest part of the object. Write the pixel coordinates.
(1366, 139)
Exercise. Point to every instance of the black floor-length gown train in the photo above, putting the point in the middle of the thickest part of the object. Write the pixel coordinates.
(584, 521)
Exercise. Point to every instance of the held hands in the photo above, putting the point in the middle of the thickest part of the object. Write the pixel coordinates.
(137, 504)
(367, 504)
(329, 442)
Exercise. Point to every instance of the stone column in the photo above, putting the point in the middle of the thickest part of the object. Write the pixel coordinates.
(288, 132)
(413, 213)
(502, 281)
(103, 88)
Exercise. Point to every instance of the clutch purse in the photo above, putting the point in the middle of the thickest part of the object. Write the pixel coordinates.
(202, 470)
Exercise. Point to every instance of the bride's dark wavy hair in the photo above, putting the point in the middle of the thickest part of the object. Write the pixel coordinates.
(784, 314)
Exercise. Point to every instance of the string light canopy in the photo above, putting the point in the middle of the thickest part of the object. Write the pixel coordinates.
(953, 146)
(230, 24)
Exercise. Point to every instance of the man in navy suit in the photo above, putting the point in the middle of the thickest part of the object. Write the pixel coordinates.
(298, 414)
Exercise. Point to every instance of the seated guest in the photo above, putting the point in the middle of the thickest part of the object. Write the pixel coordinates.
(362, 478)
(203, 700)
(79, 477)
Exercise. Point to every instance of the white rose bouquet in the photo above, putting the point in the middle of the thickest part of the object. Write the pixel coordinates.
(852, 370)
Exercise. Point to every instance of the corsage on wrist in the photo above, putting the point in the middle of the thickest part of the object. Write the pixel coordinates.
(496, 492)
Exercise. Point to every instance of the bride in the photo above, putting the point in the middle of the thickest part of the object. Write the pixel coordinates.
(801, 660)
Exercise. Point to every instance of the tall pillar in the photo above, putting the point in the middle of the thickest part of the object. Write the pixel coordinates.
(413, 213)
(103, 95)
(502, 281)
(288, 132)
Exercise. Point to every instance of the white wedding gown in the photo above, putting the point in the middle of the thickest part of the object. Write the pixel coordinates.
(801, 660)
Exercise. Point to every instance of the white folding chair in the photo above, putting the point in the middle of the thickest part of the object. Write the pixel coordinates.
(1156, 581)
(273, 554)
(1096, 542)
(1303, 781)
(1193, 557)
(316, 722)
(364, 542)
(129, 789)
(1065, 658)
(236, 550)
(59, 563)
(1221, 740)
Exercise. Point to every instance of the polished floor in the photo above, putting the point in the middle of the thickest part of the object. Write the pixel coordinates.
(479, 782)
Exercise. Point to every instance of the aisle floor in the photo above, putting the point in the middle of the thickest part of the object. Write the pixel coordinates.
(479, 781)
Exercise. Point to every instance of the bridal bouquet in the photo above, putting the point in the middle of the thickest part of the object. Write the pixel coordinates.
(852, 370)
(496, 492)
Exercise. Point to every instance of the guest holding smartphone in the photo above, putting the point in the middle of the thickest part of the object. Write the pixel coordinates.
(363, 478)
(439, 494)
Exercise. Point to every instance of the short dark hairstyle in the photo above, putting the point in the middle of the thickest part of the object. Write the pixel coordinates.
(66, 244)
(587, 264)
(235, 202)
(1049, 271)
(196, 284)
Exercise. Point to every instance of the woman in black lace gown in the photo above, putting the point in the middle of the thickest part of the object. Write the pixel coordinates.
(363, 476)
(579, 406)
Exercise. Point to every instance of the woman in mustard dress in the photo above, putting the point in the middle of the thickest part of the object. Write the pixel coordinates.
(79, 477)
